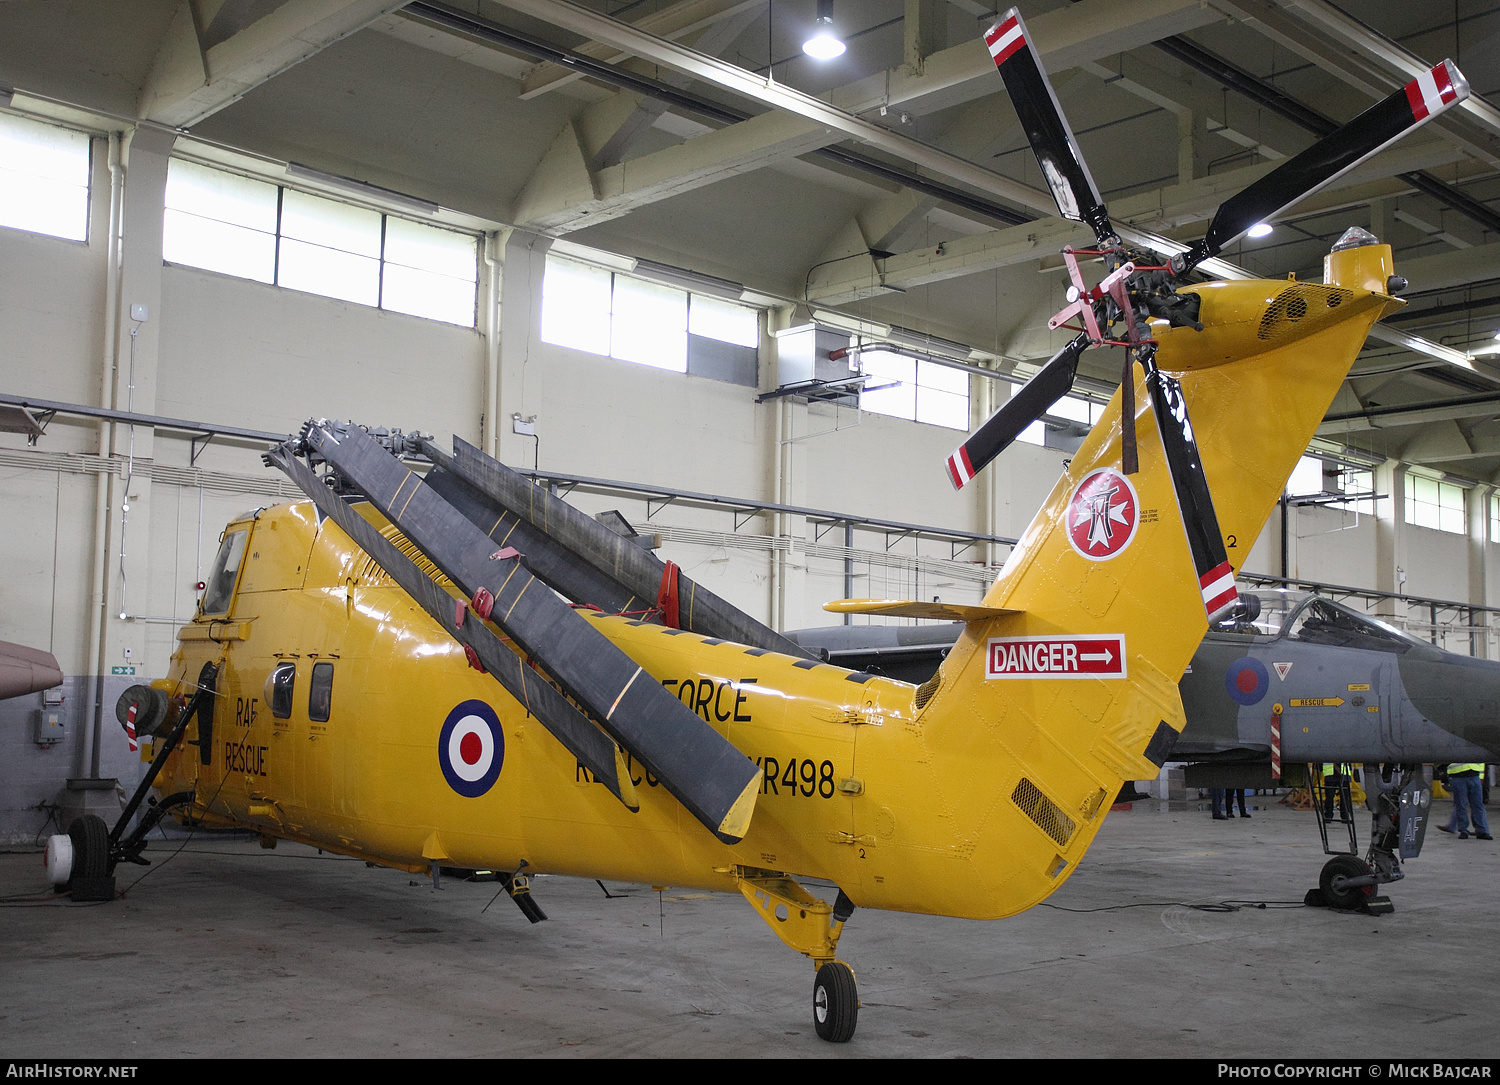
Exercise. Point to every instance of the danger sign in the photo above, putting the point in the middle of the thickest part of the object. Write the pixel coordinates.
(1098, 656)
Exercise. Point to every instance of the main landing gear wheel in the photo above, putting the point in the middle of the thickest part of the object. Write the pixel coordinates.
(835, 1003)
(1345, 898)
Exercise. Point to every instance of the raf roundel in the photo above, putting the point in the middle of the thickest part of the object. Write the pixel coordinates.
(1247, 680)
(471, 748)
(1103, 515)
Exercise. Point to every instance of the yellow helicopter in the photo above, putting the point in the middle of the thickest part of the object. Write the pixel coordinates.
(457, 669)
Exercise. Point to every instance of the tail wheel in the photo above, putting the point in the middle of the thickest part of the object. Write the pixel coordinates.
(835, 1003)
(90, 839)
(1345, 898)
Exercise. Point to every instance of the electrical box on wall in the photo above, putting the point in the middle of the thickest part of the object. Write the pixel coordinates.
(48, 728)
(47, 723)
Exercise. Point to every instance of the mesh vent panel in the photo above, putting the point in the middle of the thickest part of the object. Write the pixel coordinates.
(1043, 811)
(928, 688)
(1298, 303)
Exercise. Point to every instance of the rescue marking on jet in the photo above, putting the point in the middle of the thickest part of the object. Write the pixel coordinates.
(1316, 702)
(1355, 687)
(1102, 515)
(1282, 669)
(1098, 656)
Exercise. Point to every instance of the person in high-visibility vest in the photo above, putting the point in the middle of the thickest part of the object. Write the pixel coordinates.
(1333, 788)
(1468, 802)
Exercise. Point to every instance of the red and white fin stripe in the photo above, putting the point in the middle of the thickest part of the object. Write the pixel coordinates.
(960, 470)
(1218, 587)
(1005, 37)
(1435, 90)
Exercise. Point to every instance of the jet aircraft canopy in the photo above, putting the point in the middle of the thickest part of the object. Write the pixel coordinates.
(1313, 619)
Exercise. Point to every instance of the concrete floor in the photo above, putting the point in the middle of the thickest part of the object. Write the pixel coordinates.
(227, 950)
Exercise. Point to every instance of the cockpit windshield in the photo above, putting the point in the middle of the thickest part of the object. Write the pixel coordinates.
(1261, 612)
(226, 571)
(1312, 619)
(1323, 622)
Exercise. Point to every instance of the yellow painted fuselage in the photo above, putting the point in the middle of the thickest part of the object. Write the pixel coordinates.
(976, 798)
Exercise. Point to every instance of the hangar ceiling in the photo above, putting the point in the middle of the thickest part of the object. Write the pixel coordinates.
(892, 182)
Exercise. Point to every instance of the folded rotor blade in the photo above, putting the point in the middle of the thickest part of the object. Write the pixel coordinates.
(713, 780)
(594, 750)
(1194, 502)
(1049, 385)
(1335, 154)
(1046, 128)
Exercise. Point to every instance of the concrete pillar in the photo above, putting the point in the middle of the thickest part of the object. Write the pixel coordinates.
(491, 291)
(122, 528)
(1382, 224)
(925, 31)
(1390, 533)
(995, 492)
(523, 262)
(788, 482)
(1188, 129)
(1477, 507)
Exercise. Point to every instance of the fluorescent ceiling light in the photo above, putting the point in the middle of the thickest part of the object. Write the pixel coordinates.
(825, 43)
(1260, 229)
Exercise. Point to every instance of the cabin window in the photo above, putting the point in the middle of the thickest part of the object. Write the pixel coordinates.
(320, 693)
(279, 690)
(226, 571)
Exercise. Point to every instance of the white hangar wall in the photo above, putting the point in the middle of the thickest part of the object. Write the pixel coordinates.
(230, 351)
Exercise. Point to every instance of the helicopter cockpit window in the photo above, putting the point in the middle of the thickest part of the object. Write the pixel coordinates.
(226, 569)
(1322, 622)
(279, 689)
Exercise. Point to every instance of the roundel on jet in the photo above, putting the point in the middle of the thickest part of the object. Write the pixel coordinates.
(1247, 680)
(471, 748)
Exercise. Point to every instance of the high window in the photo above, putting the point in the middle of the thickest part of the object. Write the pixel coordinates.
(44, 178)
(922, 391)
(1435, 503)
(256, 230)
(605, 312)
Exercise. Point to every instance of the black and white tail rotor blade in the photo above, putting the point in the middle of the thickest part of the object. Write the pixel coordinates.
(1194, 501)
(1045, 126)
(1340, 151)
(1052, 382)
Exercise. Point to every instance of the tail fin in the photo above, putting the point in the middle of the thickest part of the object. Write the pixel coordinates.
(1077, 691)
